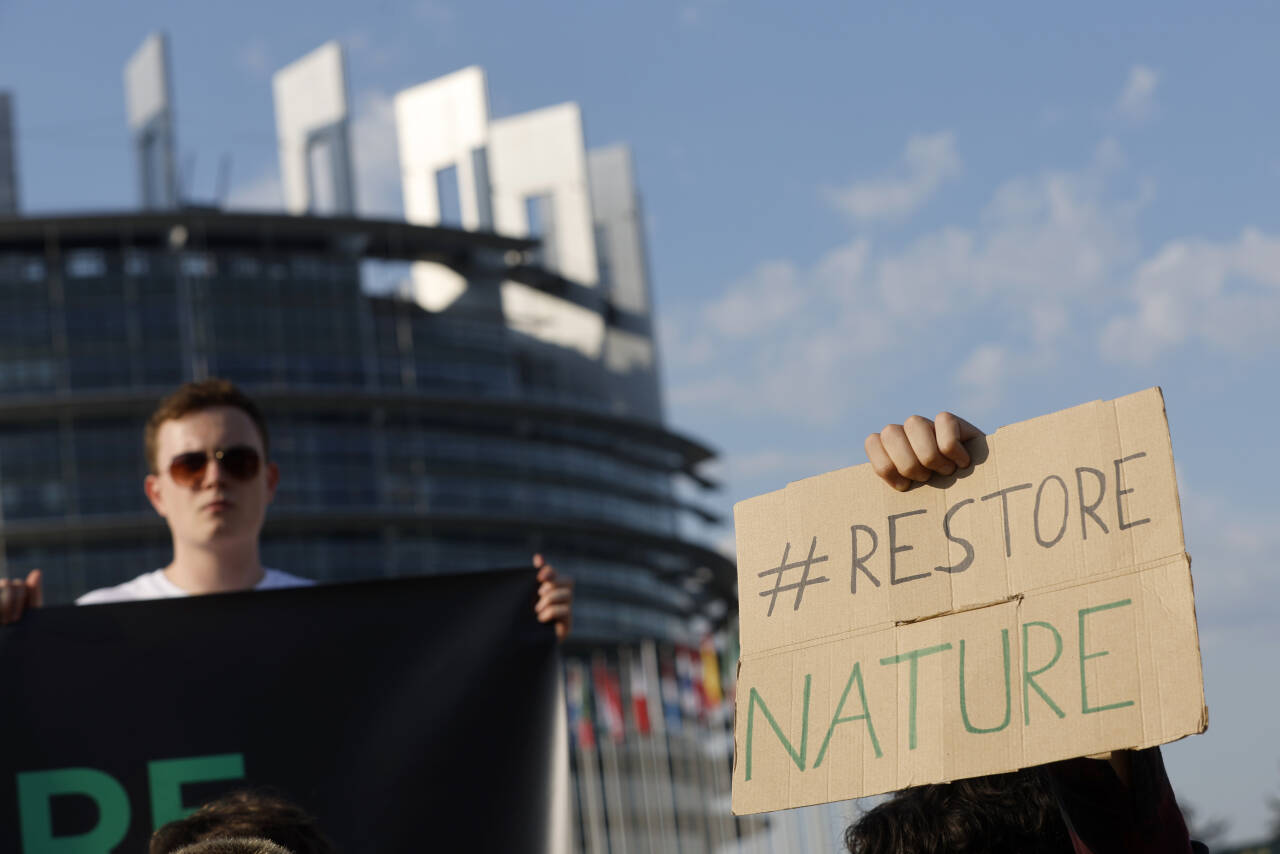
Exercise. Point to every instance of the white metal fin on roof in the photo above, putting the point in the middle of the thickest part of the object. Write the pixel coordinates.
(313, 133)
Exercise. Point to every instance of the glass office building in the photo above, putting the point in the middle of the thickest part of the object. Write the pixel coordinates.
(448, 394)
(410, 441)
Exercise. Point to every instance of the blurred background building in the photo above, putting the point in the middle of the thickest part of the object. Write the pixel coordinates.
(450, 393)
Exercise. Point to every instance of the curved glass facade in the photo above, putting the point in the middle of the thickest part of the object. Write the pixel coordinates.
(409, 441)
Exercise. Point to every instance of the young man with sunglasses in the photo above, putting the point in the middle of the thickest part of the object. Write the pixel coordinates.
(211, 479)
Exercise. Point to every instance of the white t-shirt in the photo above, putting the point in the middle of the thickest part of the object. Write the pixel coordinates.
(156, 585)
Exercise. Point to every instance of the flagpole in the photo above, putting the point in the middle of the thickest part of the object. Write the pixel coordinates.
(584, 736)
(611, 716)
(752, 827)
(713, 696)
(697, 812)
(691, 833)
(650, 832)
(559, 831)
(589, 777)
(659, 747)
(694, 710)
(708, 752)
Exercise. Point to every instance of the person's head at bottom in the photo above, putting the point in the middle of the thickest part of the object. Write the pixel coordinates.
(244, 814)
(997, 813)
(234, 845)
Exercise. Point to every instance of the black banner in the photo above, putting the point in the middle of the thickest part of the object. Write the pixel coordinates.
(402, 714)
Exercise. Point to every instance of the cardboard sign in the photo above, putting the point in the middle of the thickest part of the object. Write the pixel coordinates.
(1034, 607)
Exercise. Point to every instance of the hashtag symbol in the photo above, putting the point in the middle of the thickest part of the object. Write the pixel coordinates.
(798, 586)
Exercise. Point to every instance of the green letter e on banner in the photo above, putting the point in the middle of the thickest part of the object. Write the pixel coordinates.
(168, 776)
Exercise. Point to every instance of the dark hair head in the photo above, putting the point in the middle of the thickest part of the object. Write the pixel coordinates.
(196, 397)
(246, 813)
(998, 813)
(234, 845)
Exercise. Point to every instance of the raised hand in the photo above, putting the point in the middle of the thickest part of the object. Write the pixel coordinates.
(917, 449)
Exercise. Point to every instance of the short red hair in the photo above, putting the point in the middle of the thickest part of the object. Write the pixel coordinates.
(197, 397)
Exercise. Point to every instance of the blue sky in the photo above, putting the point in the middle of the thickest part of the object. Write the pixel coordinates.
(855, 214)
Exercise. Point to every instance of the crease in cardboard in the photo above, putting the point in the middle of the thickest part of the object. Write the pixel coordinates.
(977, 606)
(863, 631)
(1022, 733)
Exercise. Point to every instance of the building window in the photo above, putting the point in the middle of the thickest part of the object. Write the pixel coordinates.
(197, 264)
(136, 264)
(86, 264)
(246, 267)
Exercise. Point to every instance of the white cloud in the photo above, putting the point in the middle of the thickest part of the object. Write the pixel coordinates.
(262, 193)
(983, 375)
(1109, 156)
(774, 462)
(763, 298)
(1042, 244)
(255, 58)
(813, 341)
(1226, 295)
(377, 157)
(1137, 101)
(928, 161)
(927, 278)
(1231, 539)
(799, 370)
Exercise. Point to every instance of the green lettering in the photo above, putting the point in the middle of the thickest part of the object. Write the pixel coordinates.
(855, 675)
(168, 775)
(1084, 686)
(914, 657)
(798, 758)
(35, 816)
(1029, 676)
(1008, 699)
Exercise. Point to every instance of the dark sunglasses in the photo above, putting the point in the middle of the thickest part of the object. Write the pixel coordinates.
(240, 461)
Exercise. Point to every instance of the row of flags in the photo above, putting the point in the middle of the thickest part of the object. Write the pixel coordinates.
(686, 684)
(649, 725)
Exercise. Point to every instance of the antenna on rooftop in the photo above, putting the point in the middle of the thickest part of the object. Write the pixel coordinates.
(187, 179)
(8, 172)
(224, 180)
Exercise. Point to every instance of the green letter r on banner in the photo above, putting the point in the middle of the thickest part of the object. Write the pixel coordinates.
(37, 788)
